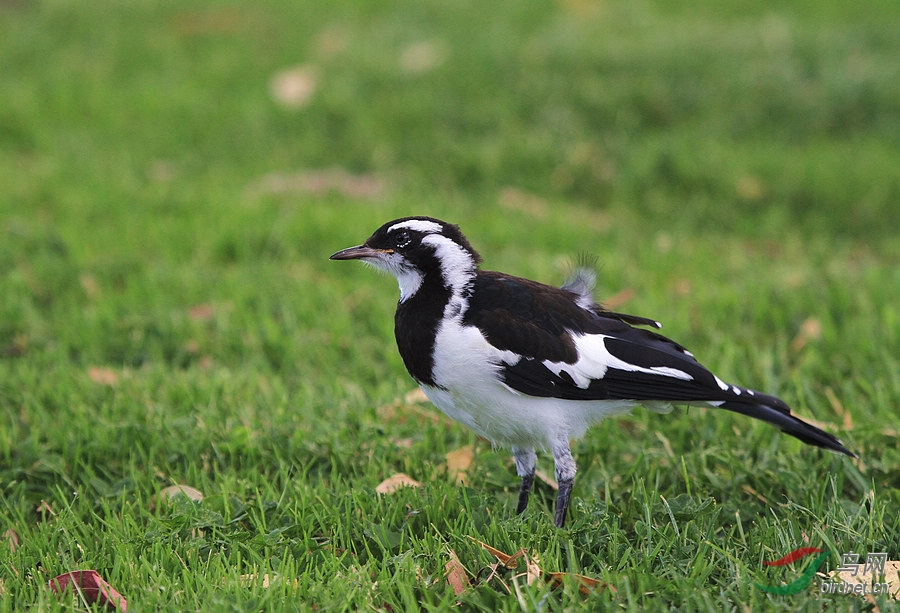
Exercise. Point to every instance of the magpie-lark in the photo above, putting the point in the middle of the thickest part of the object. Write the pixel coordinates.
(530, 366)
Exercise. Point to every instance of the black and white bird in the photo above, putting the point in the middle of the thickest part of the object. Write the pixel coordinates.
(530, 366)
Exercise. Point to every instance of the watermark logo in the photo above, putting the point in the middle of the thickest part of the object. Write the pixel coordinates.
(805, 579)
(873, 577)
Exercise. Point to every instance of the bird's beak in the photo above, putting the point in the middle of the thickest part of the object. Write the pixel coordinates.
(359, 253)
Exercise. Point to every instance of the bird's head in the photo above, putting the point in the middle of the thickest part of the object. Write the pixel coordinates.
(416, 249)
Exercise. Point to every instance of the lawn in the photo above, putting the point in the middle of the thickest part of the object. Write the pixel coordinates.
(174, 176)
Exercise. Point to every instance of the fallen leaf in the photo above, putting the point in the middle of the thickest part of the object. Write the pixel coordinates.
(458, 463)
(749, 490)
(456, 574)
(91, 587)
(168, 493)
(320, 182)
(684, 287)
(891, 576)
(250, 580)
(533, 572)
(201, 312)
(294, 87)
(586, 584)
(103, 376)
(395, 482)
(12, 538)
(810, 330)
(411, 404)
(44, 511)
(205, 22)
(421, 57)
(618, 299)
(89, 284)
(750, 188)
(265, 581)
(415, 396)
(174, 490)
(547, 479)
(839, 408)
(503, 557)
(520, 201)
(331, 42)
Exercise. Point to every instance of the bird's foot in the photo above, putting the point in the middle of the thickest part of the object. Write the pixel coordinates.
(562, 501)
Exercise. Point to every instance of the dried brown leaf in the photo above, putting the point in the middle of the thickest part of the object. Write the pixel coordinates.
(520, 201)
(102, 375)
(749, 490)
(265, 581)
(839, 408)
(168, 493)
(750, 188)
(456, 574)
(619, 299)
(320, 182)
(533, 572)
(415, 396)
(503, 557)
(12, 538)
(586, 584)
(174, 490)
(202, 312)
(44, 511)
(810, 331)
(89, 284)
(547, 479)
(203, 22)
(410, 405)
(293, 88)
(91, 587)
(395, 482)
(891, 577)
(458, 463)
(421, 57)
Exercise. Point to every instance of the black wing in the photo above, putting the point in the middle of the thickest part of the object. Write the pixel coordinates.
(540, 323)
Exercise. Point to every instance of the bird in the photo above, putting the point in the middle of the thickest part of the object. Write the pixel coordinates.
(530, 366)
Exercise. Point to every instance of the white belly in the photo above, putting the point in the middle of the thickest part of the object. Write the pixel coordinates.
(469, 390)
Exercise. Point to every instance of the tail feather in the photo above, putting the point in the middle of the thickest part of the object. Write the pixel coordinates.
(779, 415)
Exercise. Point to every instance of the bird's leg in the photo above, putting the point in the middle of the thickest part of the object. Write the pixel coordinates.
(526, 460)
(565, 476)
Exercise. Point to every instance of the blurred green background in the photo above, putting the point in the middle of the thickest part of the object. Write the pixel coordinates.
(174, 175)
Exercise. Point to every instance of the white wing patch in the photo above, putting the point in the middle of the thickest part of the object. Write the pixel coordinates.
(734, 389)
(594, 359)
(470, 390)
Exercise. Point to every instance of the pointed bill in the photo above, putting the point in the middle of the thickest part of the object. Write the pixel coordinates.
(358, 253)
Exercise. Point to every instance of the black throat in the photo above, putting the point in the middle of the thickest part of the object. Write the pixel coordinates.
(416, 324)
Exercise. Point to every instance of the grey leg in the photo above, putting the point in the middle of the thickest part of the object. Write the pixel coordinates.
(565, 476)
(526, 460)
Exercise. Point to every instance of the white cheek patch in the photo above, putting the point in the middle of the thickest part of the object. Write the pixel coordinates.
(409, 279)
(409, 282)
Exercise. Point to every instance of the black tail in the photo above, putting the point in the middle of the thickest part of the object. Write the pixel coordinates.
(778, 414)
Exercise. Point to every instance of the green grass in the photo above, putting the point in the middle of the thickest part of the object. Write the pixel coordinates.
(162, 219)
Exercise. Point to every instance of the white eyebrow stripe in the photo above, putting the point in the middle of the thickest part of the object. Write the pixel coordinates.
(418, 225)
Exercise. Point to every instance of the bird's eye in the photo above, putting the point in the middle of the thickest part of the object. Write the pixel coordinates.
(402, 240)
